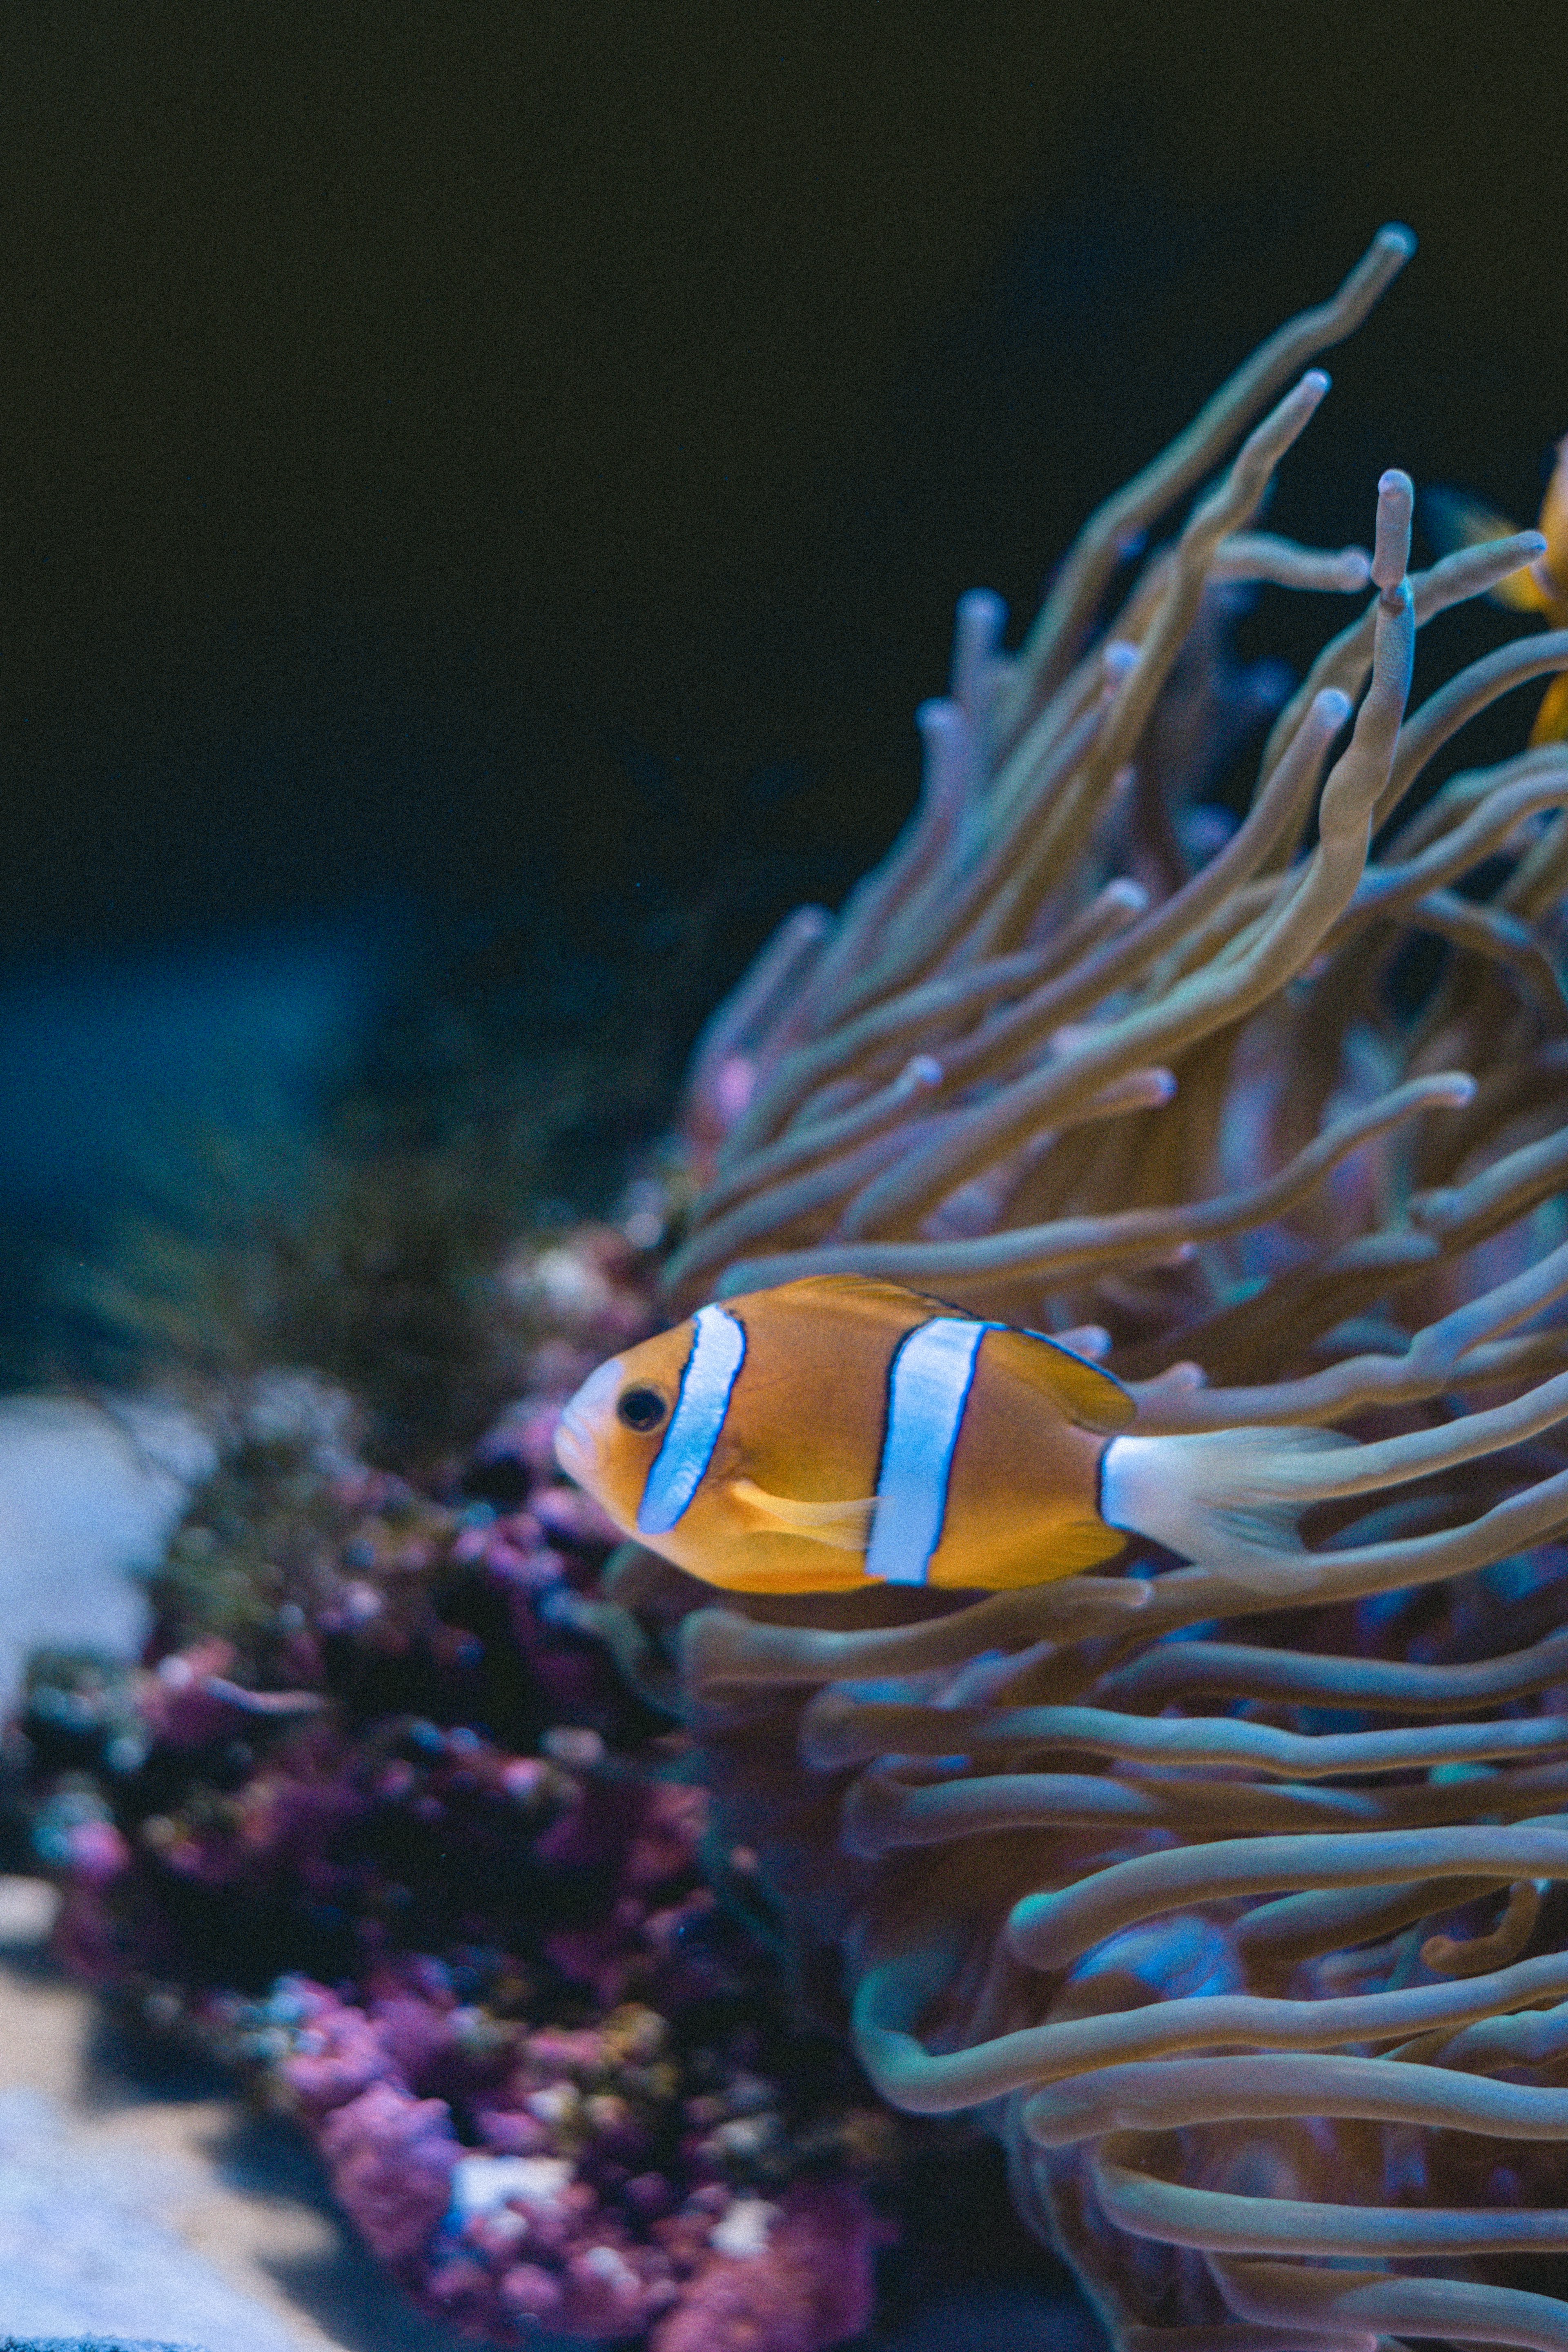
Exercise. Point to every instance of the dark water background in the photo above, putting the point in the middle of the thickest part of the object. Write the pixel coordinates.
(484, 485)
(494, 473)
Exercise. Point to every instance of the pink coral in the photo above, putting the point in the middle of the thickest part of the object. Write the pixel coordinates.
(96, 1853)
(336, 2058)
(801, 2276)
(390, 2160)
(606, 2192)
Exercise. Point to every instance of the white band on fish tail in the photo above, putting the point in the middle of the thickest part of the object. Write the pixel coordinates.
(717, 1351)
(929, 1382)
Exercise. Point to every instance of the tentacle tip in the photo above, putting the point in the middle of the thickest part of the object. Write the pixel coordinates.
(1332, 707)
(1395, 240)
(869, 1819)
(1131, 896)
(936, 711)
(712, 1647)
(1028, 1932)
(1091, 1339)
(1041, 2121)
(1120, 1594)
(1454, 1089)
(824, 1743)
(1436, 1208)
(1314, 385)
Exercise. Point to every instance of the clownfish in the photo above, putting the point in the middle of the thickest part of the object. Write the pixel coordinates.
(838, 1432)
(1455, 520)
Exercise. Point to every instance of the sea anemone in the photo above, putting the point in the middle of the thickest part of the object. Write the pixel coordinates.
(1234, 1905)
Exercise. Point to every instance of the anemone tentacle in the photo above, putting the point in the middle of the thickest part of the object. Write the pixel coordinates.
(1233, 1890)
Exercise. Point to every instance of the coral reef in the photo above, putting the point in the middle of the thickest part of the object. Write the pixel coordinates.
(1236, 1905)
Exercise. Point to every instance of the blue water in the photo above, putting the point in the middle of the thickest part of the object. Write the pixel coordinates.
(117, 1071)
(100, 1060)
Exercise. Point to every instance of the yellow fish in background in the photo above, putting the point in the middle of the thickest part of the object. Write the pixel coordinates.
(838, 1432)
(1455, 520)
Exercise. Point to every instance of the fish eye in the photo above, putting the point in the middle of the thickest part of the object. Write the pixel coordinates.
(641, 1409)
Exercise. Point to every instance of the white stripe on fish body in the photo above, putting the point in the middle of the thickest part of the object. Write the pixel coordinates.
(717, 1351)
(929, 1382)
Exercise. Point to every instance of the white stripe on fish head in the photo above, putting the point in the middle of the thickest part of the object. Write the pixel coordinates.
(717, 1351)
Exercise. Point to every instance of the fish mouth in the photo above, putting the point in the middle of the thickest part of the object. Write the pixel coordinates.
(574, 1448)
(581, 1418)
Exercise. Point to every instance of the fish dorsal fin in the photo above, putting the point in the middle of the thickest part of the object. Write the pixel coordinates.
(1085, 1395)
(858, 1290)
(845, 1526)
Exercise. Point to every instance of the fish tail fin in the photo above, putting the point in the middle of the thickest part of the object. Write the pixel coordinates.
(1227, 1498)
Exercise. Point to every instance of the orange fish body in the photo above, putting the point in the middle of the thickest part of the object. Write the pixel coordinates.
(837, 1432)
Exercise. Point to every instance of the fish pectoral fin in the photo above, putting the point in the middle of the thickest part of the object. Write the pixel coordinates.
(845, 1526)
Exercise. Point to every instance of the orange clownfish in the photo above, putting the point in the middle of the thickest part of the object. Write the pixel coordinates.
(838, 1432)
(1455, 520)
